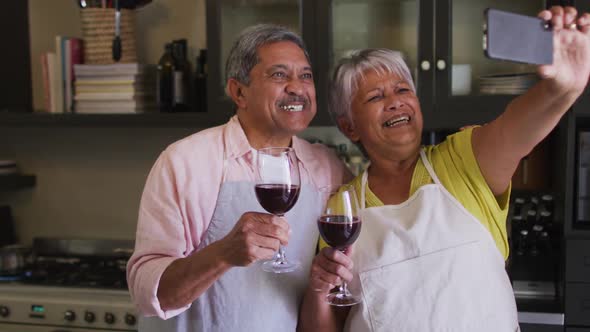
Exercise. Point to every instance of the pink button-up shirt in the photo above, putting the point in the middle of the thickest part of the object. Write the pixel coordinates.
(180, 196)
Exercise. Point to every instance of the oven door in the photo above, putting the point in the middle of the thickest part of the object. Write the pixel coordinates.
(41, 328)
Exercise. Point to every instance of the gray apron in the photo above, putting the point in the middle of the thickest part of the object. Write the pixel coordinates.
(247, 298)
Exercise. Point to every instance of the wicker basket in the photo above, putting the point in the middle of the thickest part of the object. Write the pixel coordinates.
(98, 29)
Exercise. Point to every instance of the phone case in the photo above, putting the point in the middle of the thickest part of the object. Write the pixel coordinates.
(519, 38)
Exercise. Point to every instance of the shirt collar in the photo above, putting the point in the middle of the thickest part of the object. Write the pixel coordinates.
(237, 144)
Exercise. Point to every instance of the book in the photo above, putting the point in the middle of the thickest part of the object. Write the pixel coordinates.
(46, 82)
(54, 82)
(107, 80)
(59, 74)
(114, 111)
(120, 69)
(73, 56)
(116, 88)
(135, 95)
(121, 104)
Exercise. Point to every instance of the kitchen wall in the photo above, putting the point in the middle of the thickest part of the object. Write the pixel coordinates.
(89, 180)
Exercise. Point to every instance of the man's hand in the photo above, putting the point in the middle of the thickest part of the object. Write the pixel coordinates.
(329, 268)
(255, 236)
(571, 50)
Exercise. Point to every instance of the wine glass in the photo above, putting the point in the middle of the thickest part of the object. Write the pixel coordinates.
(277, 189)
(340, 226)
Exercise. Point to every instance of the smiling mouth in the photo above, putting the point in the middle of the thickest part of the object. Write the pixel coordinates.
(397, 121)
(292, 108)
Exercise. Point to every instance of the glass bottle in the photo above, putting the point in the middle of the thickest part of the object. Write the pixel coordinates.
(164, 81)
(182, 75)
(201, 82)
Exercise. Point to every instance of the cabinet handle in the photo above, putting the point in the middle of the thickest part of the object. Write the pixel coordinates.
(441, 65)
(425, 65)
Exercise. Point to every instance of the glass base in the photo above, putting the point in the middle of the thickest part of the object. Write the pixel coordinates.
(277, 266)
(342, 300)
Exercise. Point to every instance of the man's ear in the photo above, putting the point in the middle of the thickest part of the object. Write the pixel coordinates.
(347, 127)
(235, 91)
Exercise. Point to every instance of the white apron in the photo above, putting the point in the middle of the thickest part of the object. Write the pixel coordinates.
(429, 265)
(247, 298)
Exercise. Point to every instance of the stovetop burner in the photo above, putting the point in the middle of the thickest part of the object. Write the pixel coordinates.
(93, 272)
(87, 263)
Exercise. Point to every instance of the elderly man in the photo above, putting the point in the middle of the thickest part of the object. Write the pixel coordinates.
(198, 234)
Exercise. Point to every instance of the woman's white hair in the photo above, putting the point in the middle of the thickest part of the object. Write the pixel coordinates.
(351, 69)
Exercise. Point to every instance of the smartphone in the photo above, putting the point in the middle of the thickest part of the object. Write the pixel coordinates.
(518, 38)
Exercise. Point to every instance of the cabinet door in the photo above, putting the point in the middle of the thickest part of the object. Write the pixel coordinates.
(16, 62)
(582, 106)
(402, 25)
(577, 304)
(225, 20)
(468, 88)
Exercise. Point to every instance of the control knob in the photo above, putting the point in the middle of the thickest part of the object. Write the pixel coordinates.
(130, 319)
(109, 318)
(89, 316)
(4, 311)
(70, 316)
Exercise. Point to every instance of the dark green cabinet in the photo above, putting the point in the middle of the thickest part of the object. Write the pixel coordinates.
(441, 40)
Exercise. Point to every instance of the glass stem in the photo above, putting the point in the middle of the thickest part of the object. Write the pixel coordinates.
(344, 288)
(281, 255)
(281, 259)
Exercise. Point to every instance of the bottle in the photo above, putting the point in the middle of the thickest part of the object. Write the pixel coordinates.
(547, 201)
(537, 230)
(164, 80)
(201, 82)
(518, 204)
(531, 218)
(181, 79)
(521, 245)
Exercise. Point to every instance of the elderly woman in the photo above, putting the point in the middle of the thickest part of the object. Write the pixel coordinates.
(431, 252)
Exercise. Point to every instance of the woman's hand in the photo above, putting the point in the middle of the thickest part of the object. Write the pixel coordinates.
(571, 50)
(329, 268)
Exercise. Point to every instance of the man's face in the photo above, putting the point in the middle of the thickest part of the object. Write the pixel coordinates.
(280, 99)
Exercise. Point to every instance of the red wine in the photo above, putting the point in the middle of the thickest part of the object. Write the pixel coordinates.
(277, 198)
(339, 231)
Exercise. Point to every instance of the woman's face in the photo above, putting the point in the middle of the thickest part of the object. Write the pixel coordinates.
(386, 117)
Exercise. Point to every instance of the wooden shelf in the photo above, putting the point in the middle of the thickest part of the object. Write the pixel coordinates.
(38, 119)
(13, 182)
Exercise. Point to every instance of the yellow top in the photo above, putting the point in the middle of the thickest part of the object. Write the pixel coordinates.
(455, 165)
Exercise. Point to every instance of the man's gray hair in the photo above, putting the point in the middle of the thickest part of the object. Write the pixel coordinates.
(351, 69)
(243, 55)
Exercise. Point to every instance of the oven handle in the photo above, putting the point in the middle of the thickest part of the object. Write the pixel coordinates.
(542, 318)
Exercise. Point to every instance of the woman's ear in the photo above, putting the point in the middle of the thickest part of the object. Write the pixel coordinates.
(235, 91)
(347, 128)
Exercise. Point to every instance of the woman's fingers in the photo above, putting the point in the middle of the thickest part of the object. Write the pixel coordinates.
(557, 13)
(569, 19)
(545, 15)
(584, 23)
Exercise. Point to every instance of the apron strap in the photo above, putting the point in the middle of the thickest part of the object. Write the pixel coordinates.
(429, 167)
(364, 178)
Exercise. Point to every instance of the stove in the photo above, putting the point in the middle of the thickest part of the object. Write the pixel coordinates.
(70, 285)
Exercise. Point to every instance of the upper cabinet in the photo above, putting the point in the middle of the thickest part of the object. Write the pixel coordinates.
(225, 20)
(582, 106)
(441, 40)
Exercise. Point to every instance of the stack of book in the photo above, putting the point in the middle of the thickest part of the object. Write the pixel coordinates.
(58, 74)
(116, 88)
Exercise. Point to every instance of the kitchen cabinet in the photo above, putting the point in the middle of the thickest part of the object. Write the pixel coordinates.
(16, 60)
(441, 41)
(577, 304)
(540, 328)
(13, 182)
